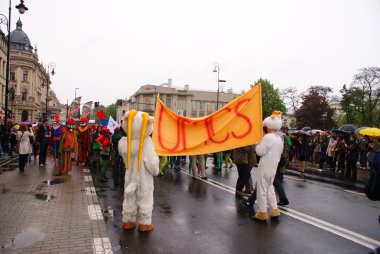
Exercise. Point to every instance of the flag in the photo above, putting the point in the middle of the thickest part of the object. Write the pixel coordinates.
(102, 117)
(237, 124)
(74, 110)
(112, 124)
(86, 109)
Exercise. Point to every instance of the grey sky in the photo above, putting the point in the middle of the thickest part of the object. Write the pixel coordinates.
(108, 49)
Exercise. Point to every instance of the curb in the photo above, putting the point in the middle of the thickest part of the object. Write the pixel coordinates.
(357, 186)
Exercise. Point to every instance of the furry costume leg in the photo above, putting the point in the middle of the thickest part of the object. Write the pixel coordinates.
(145, 204)
(129, 208)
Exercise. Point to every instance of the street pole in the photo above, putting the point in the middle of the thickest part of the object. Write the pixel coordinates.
(3, 19)
(52, 66)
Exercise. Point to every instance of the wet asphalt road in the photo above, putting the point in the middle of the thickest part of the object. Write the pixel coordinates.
(192, 216)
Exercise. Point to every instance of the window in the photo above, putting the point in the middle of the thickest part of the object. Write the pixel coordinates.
(12, 74)
(25, 76)
(168, 103)
(23, 95)
(194, 106)
(147, 102)
(11, 94)
(24, 116)
(181, 103)
(201, 106)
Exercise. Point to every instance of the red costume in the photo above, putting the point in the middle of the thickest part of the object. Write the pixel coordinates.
(84, 141)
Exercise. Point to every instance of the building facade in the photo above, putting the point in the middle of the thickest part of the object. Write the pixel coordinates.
(3, 67)
(186, 102)
(29, 88)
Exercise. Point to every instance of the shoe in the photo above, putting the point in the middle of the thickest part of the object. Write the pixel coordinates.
(245, 203)
(129, 225)
(145, 228)
(253, 217)
(283, 203)
(41, 165)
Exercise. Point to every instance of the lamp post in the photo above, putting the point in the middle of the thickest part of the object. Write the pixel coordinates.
(218, 156)
(52, 72)
(217, 69)
(4, 20)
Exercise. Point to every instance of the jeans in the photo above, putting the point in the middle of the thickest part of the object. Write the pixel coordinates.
(363, 159)
(22, 159)
(43, 151)
(118, 169)
(244, 175)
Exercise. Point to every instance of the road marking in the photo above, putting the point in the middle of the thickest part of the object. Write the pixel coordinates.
(86, 170)
(88, 179)
(102, 245)
(95, 212)
(355, 192)
(90, 191)
(345, 233)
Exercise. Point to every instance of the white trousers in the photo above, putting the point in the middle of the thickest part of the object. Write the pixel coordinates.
(265, 191)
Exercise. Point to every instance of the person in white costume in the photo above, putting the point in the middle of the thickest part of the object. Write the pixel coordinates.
(141, 164)
(269, 149)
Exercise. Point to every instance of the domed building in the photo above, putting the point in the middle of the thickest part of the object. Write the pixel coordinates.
(29, 83)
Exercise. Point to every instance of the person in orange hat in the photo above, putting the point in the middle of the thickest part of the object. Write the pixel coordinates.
(67, 145)
(84, 141)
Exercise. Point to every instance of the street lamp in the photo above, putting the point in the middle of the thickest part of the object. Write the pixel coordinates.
(4, 20)
(50, 66)
(217, 69)
(76, 93)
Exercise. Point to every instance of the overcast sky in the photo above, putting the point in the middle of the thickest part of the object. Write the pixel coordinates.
(108, 49)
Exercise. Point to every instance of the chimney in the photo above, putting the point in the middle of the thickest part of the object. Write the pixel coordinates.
(169, 82)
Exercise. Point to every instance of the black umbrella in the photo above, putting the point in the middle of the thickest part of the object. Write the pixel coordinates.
(348, 128)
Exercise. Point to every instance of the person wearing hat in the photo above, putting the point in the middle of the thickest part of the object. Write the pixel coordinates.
(67, 145)
(84, 141)
(269, 149)
(105, 146)
(56, 133)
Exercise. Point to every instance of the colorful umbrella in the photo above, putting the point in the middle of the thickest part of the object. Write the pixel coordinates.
(371, 132)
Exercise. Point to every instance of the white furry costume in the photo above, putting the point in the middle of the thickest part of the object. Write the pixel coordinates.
(269, 150)
(141, 166)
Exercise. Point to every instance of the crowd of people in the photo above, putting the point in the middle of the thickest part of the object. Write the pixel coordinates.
(94, 146)
(338, 152)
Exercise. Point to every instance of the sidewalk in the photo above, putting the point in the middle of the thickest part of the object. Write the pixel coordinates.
(327, 176)
(43, 213)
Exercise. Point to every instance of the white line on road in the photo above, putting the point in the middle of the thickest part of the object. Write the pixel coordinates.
(355, 192)
(345, 233)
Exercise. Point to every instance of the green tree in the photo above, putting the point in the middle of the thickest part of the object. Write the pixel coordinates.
(360, 101)
(271, 98)
(315, 111)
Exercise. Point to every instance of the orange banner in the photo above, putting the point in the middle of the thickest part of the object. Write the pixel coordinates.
(237, 124)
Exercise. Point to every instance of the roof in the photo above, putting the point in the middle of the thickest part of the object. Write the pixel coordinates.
(19, 39)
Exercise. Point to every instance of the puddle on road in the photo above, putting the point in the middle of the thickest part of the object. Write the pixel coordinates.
(54, 181)
(30, 236)
(166, 209)
(44, 197)
(8, 168)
